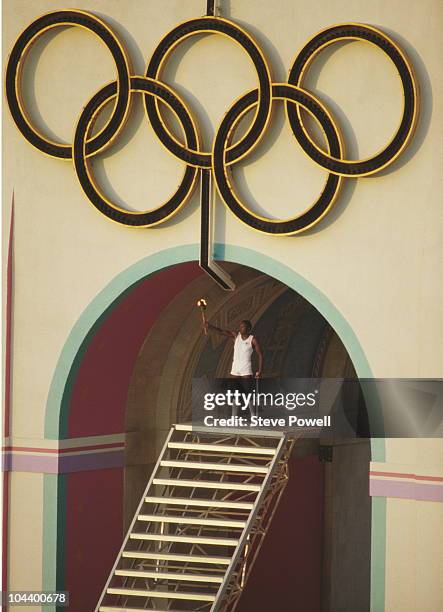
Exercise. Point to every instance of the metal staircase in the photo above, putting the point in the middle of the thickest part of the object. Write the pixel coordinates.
(200, 522)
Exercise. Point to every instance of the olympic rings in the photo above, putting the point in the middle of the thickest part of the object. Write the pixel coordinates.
(281, 91)
(299, 68)
(84, 173)
(15, 65)
(224, 154)
(158, 59)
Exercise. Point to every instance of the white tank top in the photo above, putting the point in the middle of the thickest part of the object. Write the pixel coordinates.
(241, 363)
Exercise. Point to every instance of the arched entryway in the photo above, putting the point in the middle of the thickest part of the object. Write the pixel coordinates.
(97, 330)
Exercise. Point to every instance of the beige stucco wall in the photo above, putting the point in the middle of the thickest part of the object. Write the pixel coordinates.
(376, 256)
(26, 527)
(414, 562)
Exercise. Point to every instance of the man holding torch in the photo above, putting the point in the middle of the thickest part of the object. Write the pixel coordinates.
(245, 344)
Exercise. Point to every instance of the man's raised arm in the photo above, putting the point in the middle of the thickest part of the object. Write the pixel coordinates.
(222, 332)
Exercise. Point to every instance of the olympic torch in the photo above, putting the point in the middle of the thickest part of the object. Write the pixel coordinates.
(203, 305)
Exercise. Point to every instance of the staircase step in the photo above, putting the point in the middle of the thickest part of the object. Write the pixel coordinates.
(244, 432)
(205, 503)
(206, 484)
(162, 594)
(169, 576)
(184, 539)
(210, 559)
(220, 448)
(221, 467)
(185, 520)
(119, 609)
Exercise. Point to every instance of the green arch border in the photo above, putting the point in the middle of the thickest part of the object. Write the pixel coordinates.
(57, 407)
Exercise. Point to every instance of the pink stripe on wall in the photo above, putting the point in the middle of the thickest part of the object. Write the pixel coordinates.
(59, 451)
(9, 287)
(406, 490)
(60, 464)
(6, 430)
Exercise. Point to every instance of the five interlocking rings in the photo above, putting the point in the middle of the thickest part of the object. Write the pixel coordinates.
(225, 152)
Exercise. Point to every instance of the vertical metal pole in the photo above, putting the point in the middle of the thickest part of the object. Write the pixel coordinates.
(206, 230)
(205, 220)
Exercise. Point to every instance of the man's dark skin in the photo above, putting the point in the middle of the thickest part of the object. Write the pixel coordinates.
(245, 331)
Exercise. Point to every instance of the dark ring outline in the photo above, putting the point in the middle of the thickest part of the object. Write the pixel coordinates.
(117, 119)
(166, 210)
(396, 145)
(247, 142)
(313, 215)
